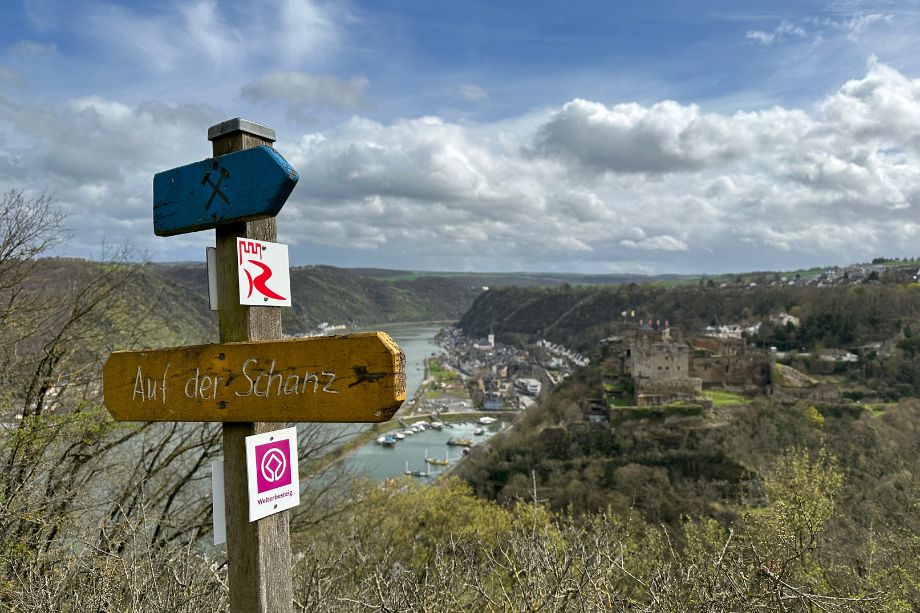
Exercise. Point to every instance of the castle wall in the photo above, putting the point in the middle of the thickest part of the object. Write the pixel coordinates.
(686, 385)
(719, 346)
(663, 391)
(666, 369)
(821, 393)
(659, 360)
(738, 370)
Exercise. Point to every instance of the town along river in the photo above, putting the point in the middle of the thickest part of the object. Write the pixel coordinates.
(379, 462)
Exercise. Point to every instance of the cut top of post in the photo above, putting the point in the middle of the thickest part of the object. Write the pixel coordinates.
(230, 126)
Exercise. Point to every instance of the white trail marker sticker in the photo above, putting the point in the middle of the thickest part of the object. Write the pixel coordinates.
(264, 273)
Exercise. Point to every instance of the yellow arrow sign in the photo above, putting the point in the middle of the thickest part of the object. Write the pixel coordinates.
(350, 378)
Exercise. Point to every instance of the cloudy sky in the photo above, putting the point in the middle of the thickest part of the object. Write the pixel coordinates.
(651, 137)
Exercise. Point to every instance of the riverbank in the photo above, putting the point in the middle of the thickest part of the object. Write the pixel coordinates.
(439, 393)
(428, 452)
(368, 436)
(393, 324)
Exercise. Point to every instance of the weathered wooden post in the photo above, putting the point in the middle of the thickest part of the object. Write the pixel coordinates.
(252, 376)
(258, 553)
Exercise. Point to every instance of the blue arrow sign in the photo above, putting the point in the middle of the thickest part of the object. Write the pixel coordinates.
(241, 186)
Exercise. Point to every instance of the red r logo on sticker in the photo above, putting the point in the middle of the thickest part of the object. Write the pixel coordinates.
(260, 281)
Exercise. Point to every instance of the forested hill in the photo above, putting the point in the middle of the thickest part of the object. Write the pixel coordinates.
(839, 316)
(172, 300)
(141, 306)
(340, 295)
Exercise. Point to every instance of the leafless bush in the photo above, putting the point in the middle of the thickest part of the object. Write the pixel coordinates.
(141, 577)
(775, 558)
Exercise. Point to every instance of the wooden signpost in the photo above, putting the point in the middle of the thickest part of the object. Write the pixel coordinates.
(252, 378)
(353, 378)
(243, 186)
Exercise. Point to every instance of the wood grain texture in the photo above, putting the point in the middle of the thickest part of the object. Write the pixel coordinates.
(349, 378)
(258, 553)
(241, 186)
(238, 322)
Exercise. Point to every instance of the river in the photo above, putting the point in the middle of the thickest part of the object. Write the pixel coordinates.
(378, 462)
(417, 342)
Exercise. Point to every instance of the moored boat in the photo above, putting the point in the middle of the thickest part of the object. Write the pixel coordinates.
(416, 473)
(436, 461)
(387, 440)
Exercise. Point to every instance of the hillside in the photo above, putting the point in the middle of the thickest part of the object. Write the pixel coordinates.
(667, 467)
(725, 509)
(167, 304)
(884, 270)
(839, 316)
(525, 279)
(339, 295)
(148, 307)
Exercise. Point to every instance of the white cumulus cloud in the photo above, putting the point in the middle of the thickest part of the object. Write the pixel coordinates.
(586, 186)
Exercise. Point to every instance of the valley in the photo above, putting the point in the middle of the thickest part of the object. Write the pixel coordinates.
(666, 416)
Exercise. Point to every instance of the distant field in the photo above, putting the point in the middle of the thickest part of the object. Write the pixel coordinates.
(721, 398)
(439, 373)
